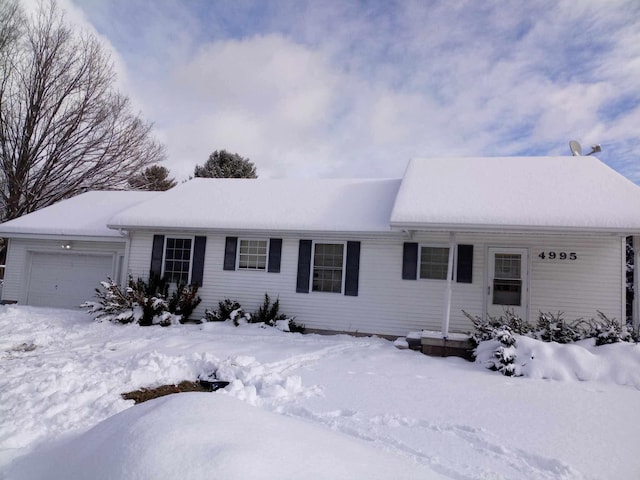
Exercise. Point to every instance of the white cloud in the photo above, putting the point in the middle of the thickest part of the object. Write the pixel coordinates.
(344, 89)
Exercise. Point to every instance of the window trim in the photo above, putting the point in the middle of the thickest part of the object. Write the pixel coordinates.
(344, 265)
(266, 265)
(164, 255)
(454, 273)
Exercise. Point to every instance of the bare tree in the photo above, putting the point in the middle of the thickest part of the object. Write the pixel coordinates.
(64, 129)
(154, 178)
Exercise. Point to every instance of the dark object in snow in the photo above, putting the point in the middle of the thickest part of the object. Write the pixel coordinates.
(144, 394)
(213, 385)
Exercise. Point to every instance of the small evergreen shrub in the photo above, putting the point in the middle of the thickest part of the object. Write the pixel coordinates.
(184, 301)
(143, 302)
(227, 310)
(485, 328)
(268, 314)
(554, 328)
(501, 331)
(505, 355)
(609, 330)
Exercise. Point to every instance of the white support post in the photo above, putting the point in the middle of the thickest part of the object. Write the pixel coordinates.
(447, 301)
(635, 316)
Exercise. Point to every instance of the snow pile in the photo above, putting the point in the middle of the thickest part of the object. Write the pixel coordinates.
(211, 433)
(618, 363)
(302, 406)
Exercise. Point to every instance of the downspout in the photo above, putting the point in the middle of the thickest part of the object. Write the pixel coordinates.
(447, 301)
(124, 273)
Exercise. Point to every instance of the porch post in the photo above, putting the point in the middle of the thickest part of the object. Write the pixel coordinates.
(635, 315)
(447, 301)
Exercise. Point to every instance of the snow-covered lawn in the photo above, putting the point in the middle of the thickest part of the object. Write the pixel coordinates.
(302, 406)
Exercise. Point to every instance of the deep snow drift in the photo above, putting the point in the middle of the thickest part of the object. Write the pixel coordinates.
(302, 406)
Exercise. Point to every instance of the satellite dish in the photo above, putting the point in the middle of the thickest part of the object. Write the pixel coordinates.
(576, 149)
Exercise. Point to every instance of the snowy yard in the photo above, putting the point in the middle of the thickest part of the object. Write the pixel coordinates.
(302, 406)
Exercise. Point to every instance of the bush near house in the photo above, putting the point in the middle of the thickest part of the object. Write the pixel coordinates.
(549, 328)
(268, 314)
(147, 303)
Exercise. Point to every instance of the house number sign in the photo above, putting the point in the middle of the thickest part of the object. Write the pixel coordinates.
(553, 255)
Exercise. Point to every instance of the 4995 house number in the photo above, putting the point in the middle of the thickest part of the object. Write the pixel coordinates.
(551, 255)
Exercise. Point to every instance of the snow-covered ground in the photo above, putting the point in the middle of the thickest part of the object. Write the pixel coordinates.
(302, 406)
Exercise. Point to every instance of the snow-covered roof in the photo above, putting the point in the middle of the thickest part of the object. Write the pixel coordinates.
(458, 194)
(521, 193)
(83, 215)
(347, 205)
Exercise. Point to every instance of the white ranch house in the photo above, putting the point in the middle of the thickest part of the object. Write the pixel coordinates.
(363, 256)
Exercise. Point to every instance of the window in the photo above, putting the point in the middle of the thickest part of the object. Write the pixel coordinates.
(434, 262)
(177, 260)
(328, 263)
(252, 255)
(507, 279)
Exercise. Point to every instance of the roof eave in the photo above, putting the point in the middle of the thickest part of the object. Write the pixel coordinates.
(524, 229)
(64, 236)
(231, 228)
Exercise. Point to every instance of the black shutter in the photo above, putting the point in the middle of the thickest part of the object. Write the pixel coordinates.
(353, 269)
(275, 252)
(156, 255)
(465, 264)
(197, 271)
(230, 246)
(410, 261)
(304, 266)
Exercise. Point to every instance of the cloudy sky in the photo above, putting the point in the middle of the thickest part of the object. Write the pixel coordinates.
(355, 88)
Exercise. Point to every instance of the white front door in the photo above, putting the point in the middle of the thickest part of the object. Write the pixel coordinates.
(507, 281)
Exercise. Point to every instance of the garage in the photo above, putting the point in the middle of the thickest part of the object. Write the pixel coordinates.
(66, 280)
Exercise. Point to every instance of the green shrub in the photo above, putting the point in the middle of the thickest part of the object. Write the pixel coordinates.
(184, 301)
(609, 330)
(143, 302)
(554, 328)
(227, 310)
(268, 314)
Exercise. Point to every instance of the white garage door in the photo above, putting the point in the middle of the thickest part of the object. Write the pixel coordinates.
(66, 280)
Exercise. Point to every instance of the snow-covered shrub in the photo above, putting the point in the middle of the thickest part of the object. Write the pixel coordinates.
(496, 336)
(505, 355)
(486, 328)
(269, 314)
(184, 301)
(609, 330)
(228, 310)
(554, 328)
(142, 302)
(113, 304)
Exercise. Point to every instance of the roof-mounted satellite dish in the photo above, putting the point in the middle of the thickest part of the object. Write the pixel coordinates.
(576, 149)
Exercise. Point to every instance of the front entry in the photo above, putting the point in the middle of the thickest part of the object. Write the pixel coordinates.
(507, 281)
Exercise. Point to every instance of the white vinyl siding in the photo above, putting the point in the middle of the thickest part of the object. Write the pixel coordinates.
(387, 304)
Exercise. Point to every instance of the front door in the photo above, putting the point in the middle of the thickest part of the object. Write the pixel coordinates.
(507, 282)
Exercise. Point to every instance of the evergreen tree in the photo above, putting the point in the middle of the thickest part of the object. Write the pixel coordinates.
(222, 164)
(154, 178)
